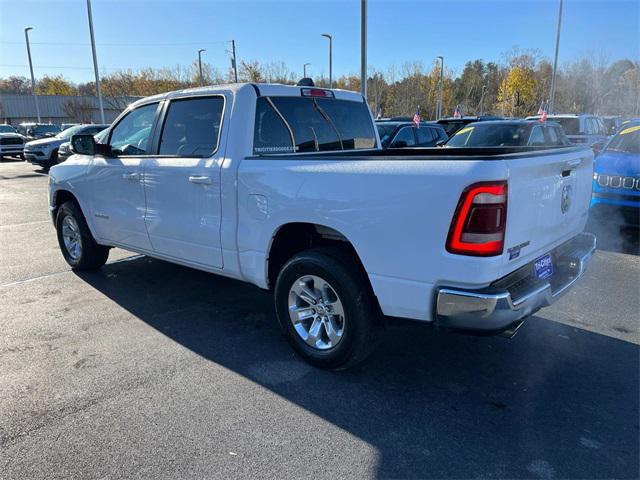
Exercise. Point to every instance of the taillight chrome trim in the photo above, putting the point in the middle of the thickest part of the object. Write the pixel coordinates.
(462, 243)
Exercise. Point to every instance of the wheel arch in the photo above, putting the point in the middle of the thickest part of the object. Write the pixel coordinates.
(62, 196)
(294, 237)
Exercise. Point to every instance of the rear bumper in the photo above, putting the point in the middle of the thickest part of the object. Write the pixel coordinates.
(516, 296)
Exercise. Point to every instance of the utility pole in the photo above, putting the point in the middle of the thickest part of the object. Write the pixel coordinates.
(555, 63)
(304, 70)
(200, 65)
(33, 79)
(439, 109)
(95, 61)
(330, 58)
(363, 49)
(234, 63)
(484, 89)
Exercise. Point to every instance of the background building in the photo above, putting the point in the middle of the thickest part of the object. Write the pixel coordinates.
(16, 109)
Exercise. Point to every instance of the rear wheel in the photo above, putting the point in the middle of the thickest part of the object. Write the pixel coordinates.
(78, 247)
(326, 308)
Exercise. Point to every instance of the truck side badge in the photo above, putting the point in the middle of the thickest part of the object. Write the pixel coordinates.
(514, 252)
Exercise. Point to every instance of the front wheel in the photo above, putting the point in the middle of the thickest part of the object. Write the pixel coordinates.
(326, 308)
(78, 247)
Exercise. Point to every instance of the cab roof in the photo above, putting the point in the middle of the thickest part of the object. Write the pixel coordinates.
(259, 89)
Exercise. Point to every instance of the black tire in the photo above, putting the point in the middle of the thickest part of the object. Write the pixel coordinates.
(54, 158)
(91, 255)
(362, 316)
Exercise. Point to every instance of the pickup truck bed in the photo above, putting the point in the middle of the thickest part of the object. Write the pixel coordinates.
(341, 236)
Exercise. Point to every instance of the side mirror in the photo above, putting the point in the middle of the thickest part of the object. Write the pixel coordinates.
(30, 132)
(441, 143)
(597, 147)
(85, 144)
(399, 144)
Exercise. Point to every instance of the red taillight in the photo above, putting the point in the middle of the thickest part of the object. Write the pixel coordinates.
(478, 224)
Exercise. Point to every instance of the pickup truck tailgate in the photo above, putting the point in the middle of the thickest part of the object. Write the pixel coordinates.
(548, 202)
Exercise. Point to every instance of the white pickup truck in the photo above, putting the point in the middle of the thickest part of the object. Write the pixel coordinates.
(286, 188)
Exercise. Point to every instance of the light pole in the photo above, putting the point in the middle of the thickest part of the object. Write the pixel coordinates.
(330, 58)
(234, 62)
(95, 61)
(439, 112)
(304, 70)
(484, 89)
(200, 64)
(363, 49)
(33, 80)
(555, 63)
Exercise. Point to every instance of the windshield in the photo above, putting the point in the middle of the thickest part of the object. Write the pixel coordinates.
(451, 127)
(488, 134)
(627, 141)
(570, 125)
(385, 132)
(42, 129)
(66, 134)
(311, 124)
(6, 129)
(101, 136)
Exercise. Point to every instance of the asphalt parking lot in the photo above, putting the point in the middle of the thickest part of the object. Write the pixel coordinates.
(147, 369)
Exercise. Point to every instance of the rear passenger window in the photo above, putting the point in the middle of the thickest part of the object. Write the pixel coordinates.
(192, 127)
(426, 137)
(537, 137)
(404, 138)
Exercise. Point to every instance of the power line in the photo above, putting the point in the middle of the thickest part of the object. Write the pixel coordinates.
(66, 44)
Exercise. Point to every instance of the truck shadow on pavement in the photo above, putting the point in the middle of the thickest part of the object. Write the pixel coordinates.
(555, 401)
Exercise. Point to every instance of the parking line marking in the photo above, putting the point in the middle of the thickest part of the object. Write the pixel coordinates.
(25, 223)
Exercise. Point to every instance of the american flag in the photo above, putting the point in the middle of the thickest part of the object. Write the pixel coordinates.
(416, 118)
(543, 112)
(457, 113)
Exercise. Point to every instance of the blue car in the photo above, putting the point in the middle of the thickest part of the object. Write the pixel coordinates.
(616, 178)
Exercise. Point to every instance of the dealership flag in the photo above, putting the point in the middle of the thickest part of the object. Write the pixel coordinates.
(416, 118)
(457, 113)
(541, 109)
(543, 114)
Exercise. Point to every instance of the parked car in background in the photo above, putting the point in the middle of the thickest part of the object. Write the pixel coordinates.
(612, 124)
(616, 178)
(510, 133)
(6, 128)
(286, 187)
(64, 151)
(34, 131)
(44, 152)
(11, 142)
(401, 134)
(64, 126)
(452, 124)
(580, 129)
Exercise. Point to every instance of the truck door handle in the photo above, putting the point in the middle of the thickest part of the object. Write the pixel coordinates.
(131, 176)
(201, 179)
(570, 165)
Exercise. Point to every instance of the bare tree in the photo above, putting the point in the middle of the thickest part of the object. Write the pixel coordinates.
(80, 110)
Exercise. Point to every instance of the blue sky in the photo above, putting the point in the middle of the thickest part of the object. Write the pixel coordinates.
(139, 33)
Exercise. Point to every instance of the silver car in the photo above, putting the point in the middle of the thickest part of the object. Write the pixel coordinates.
(44, 152)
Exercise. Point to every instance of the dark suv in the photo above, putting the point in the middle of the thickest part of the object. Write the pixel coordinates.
(398, 134)
(510, 133)
(452, 124)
